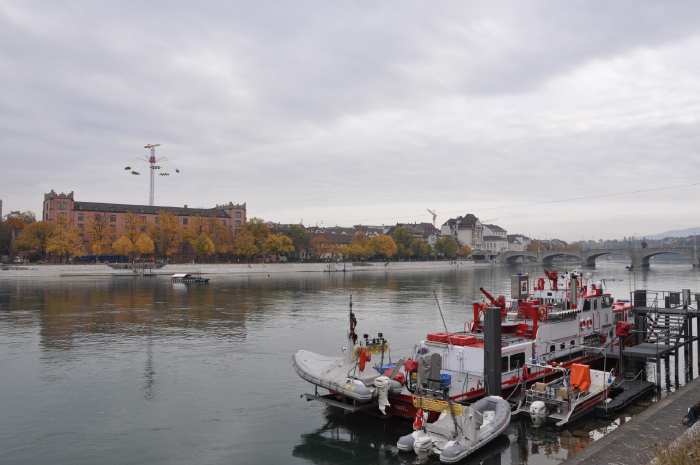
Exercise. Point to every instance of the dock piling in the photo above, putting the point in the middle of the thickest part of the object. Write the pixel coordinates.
(492, 350)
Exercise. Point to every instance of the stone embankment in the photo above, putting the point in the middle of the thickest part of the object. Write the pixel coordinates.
(237, 268)
(637, 441)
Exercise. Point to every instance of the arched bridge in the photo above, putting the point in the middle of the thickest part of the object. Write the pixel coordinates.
(639, 257)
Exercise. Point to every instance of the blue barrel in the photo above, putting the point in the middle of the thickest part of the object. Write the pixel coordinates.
(386, 367)
(445, 380)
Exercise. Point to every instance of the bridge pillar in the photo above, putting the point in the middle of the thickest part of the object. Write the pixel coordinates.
(588, 260)
(638, 261)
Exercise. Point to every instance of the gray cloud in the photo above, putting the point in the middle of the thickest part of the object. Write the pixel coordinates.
(359, 112)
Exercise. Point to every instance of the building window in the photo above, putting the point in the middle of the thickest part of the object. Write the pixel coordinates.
(142, 219)
(112, 218)
(81, 217)
(238, 222)
(184, 220)
(238, 214)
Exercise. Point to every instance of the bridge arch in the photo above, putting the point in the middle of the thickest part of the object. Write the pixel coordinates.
(509, 258)
(547, 258)
(647, 256)
(589, 260)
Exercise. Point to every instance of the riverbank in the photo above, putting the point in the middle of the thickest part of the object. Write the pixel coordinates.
(28, 271)
(637, 441)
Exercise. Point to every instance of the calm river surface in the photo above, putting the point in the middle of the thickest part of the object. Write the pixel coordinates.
(140, 371)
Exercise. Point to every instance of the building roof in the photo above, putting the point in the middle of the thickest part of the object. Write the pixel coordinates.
(467, 221)
(149, 209)
(495, 228)
(418, 229)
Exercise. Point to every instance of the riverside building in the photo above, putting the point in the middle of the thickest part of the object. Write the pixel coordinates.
(114, 215)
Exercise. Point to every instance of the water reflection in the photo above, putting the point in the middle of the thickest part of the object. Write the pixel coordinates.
(146, 366)
(352, 439)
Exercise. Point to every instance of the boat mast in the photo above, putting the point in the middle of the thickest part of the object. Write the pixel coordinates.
(352, 336)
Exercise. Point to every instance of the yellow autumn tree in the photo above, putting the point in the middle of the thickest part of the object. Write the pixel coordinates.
(383, 246)
(64, 241)
(123, 246)
(203, 246)
(278, 244)
(221, 235)
(168, 234)
(464, 251)
(132, 227)
(322, 247)
(34, 238)
(358, 249)
(98, 234)
(144, 245)
(244, 244)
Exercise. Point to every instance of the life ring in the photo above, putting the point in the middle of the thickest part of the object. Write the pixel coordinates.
(540, 284)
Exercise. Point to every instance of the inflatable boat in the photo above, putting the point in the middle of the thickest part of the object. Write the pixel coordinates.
(339, 375)
(459, 431)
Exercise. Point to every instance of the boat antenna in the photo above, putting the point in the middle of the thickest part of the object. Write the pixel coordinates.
(444, 324)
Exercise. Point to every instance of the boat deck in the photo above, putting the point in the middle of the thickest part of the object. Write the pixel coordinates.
(631, 391)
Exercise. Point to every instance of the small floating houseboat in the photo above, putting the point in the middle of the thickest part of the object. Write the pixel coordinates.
(188, 278)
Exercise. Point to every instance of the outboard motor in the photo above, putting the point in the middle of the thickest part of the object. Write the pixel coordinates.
(538, 413)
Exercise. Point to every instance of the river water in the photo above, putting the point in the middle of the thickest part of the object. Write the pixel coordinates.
(122, 370)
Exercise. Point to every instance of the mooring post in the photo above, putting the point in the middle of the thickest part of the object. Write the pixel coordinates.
(621, 359)
(697, 334)
(686, 359)
(639, 300)
(667, 358)
(492, 350)
(677, 380)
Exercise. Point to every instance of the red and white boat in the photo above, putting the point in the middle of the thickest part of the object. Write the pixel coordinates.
(545, 325)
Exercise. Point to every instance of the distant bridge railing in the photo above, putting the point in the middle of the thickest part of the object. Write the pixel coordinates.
(639, 257)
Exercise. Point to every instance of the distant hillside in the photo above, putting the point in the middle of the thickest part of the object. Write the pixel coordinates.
(676, 233)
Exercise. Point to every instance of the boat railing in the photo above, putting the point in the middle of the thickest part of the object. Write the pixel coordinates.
(562, 405)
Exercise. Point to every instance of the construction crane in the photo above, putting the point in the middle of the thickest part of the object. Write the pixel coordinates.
(432, 212)
(154, 164)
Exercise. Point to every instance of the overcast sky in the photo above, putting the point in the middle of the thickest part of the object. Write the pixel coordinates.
(361, 112)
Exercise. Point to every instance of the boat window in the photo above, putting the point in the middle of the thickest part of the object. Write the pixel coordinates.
(573, 343)
(517, 361)
(552, 348)
(504, 364)
(562, 346)
(595, 304)
(607, 301)
(586, 304)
